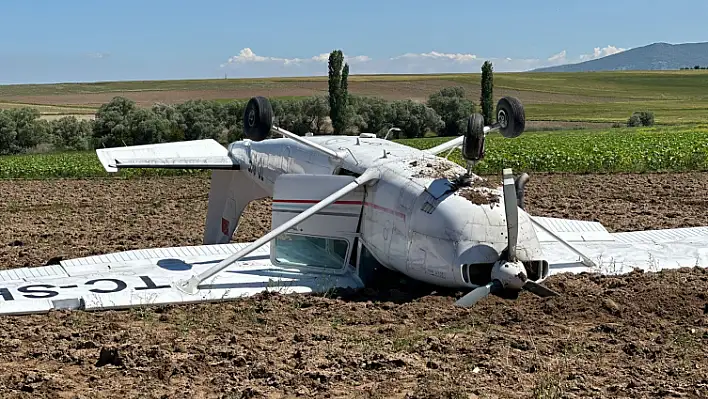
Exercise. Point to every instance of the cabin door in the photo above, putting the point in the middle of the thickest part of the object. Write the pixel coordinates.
(325, 241)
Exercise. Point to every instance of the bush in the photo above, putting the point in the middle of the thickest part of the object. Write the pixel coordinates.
(641, 118)
(452, 106)
(69, 133)
(121, 122)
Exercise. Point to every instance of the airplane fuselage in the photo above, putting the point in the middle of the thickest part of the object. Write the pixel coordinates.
(413, 220)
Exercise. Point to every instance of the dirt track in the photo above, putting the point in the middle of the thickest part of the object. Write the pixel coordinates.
(635, 336)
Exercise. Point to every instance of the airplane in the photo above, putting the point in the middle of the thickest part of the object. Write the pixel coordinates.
(346, 210)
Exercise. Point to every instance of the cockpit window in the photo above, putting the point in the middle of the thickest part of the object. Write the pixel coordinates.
(310, 251)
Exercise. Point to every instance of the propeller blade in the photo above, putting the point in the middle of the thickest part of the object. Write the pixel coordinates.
(512, 213)
(538, 289)
(475, 295)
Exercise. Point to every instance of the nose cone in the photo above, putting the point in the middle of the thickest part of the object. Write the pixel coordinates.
(475, 221)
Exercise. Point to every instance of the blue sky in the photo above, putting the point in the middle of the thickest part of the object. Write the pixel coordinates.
(72, 40)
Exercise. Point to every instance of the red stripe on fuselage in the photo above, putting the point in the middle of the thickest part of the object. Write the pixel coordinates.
(387, 210)
(369, 204)
(303, 201)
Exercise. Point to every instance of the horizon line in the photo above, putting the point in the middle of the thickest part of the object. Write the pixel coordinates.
(304, 77)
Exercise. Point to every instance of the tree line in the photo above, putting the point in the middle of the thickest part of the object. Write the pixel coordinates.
(122, 122)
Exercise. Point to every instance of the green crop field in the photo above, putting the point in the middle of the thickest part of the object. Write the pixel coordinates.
(676, 97)
(610, 150)
(658, 149)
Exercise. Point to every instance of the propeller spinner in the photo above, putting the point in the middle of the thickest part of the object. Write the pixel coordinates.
(508, 273)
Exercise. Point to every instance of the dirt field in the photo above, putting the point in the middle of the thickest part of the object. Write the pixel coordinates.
(632, 337)
(417, 90)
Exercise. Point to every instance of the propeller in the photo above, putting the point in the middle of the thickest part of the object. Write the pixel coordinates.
(508, 273)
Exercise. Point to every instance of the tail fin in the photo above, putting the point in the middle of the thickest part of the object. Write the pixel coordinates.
(230, 193)
(230, 190)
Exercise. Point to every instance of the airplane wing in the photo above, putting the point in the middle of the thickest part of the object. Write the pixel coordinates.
(194, 154)
(146, 277)
(617, 253)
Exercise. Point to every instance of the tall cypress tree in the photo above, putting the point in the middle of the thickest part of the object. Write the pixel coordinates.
(338, 91)
(486, 97)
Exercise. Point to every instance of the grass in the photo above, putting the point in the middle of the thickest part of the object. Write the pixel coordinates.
(82, 164)
(676, 97)
(657, 149)
(667, 112)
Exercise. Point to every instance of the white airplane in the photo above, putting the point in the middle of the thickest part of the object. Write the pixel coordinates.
(344, 208)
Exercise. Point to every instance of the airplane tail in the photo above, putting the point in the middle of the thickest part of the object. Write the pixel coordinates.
(230, 191)
(229, 194)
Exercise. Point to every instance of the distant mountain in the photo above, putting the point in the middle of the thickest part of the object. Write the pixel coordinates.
(657, 56)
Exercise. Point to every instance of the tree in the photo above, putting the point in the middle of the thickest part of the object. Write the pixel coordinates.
(70, 133)
(316, 108)
(29, 128)
(486, 97)
(174, 120)
(452, 106)
(8, 134)
(147, 127)
(200, 119)
(641, 118)
(370, 114)
(413, 118)
(338, 95)
(110, 127)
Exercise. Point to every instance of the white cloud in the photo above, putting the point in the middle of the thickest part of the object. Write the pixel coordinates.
(434, 55)
(98, 55)
(248, 64)
(247, 56)
(560, 57)
(601, 52)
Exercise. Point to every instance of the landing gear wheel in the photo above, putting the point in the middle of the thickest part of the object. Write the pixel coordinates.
(473, 141)
(511, 117)
(257, 119)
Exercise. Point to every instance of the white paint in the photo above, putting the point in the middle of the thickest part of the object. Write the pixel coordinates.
(148, 276)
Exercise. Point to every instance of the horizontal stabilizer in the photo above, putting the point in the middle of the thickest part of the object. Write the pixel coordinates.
(195, 154)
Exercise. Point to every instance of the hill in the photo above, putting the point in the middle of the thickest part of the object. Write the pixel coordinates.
(551, 99)
(656, 56)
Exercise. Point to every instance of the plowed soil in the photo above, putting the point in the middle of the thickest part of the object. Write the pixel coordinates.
(395, 89)
(634, 336)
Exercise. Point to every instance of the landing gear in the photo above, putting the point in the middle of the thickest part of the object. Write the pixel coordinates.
(511, 117)
(257, 119)
(511, 122)
(473, 141)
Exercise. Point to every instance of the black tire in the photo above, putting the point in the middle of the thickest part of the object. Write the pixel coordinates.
(511, 117)
(473, 141)
(257, 119)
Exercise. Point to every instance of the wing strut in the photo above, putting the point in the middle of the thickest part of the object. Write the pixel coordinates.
(452, 144)
(307, 142)
(586, 260)
(190, 286)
